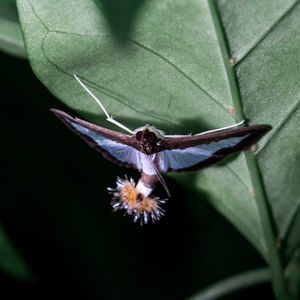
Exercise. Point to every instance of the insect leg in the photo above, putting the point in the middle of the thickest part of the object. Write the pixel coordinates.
(108, 117)
(159, 176)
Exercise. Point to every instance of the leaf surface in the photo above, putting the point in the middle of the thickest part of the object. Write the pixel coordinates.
(174, 74)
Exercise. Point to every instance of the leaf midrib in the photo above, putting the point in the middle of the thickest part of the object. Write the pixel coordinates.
(272, 257)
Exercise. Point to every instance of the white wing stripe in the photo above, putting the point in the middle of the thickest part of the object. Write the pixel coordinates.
(120, 151)
(184, 158)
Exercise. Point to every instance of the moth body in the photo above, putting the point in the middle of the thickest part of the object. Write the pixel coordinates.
(147, 164)
(143, 189)
(146, 184)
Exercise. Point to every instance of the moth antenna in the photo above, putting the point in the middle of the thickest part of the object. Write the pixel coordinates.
(223, 128)
(108, 117)
(159, 177)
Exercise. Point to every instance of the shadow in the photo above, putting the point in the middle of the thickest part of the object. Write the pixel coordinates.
(120, 15)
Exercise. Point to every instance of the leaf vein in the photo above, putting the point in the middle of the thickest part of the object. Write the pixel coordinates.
(223, 107)
(267, 32)
(101, 89)
(37, 15)
(108, 92)
(220, 105)
(281, 124)
(118, 97)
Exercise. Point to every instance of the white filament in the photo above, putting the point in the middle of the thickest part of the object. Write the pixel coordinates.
(108, 118)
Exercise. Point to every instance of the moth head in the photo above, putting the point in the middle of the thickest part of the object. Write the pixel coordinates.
(147, 139)
(159, 133)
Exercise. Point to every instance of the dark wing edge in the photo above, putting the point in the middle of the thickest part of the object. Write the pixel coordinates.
(256, 132)
(110, 134)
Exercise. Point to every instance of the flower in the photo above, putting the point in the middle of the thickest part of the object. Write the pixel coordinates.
(126, 196)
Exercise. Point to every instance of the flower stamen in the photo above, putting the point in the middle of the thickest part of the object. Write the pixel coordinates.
(126, 196)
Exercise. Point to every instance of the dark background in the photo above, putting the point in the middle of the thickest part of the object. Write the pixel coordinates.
(55, 208)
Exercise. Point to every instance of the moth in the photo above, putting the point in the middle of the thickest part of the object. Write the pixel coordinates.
(151, 152)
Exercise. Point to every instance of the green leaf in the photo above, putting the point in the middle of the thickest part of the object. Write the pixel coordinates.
(233, 284)
(293, 274)
(11, 261)
(11, 40)
(175, 73)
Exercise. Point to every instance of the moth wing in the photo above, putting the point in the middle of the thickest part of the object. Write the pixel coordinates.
(118, 153)
(109, 143)
(192, 153)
